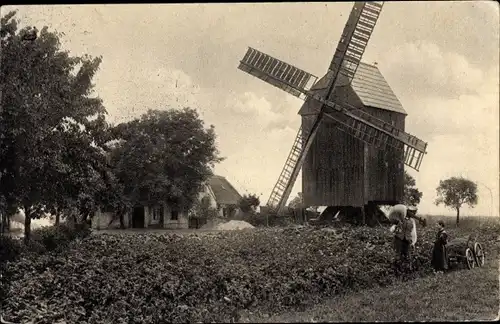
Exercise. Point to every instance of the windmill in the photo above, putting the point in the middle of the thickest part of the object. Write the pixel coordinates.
(358, 157)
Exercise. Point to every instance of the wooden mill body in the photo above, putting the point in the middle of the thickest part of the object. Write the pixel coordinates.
(341, 170)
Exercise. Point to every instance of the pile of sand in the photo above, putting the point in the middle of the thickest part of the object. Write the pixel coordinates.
(233, 225)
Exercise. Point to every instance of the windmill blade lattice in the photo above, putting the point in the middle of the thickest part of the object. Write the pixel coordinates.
(351, 120)
(277, 73)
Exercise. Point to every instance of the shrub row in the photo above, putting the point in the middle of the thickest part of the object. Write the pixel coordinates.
(43, 240)
(153, 278)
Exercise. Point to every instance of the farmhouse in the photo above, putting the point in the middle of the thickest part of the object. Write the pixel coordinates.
(222, 195)
(219, 191)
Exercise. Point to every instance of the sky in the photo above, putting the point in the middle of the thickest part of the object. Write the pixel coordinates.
(440, 58)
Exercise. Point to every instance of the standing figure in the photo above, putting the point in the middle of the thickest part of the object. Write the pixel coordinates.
(439, 255)
(405, 233)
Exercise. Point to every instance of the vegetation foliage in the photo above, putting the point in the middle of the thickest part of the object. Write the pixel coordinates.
(248, 203)
(121, 278)
(297, 202)
(52, 126)
(411, 194)
(59, 155)
(455, 192)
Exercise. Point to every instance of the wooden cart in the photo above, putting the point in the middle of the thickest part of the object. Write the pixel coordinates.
(466, 252)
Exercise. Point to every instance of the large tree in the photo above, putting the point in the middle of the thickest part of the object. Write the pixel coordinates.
(412, 195)
(50, 122)
(166, 155)
(455, 192)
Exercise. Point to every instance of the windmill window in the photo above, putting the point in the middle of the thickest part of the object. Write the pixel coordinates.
(174, 215)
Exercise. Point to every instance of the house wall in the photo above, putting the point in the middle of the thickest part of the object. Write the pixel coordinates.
(168, 222)
(101, 220)
(206, 191)
(149, 215)
(181, 222)
(333, 173)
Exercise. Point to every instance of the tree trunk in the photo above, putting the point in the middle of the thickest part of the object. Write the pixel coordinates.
(58, 218)
(5, 222)
(458, 216)
(122, 220)
(27, 224)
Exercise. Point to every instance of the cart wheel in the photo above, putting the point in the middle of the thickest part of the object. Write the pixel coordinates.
(479, 254)
(469, 259)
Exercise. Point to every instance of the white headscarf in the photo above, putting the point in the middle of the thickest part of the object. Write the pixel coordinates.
(399, 213)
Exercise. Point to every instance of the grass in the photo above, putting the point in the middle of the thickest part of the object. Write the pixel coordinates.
(454, 296)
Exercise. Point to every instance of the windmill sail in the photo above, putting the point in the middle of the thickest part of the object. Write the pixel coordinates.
(356, 122)
(277, 73)
(353, 42)
(349, 119)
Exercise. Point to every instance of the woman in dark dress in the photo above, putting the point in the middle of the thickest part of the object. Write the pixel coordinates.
(439, 255)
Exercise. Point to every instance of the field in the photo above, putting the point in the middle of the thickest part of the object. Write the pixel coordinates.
(259, 275)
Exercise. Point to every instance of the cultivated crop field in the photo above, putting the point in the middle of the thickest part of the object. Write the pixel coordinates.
(214, 277)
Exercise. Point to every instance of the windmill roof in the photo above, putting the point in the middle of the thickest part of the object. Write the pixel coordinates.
(373, 90)
(370, 87)
(224, 192)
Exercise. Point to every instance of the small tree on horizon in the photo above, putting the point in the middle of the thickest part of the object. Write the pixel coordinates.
(456, 191)
(248, 203)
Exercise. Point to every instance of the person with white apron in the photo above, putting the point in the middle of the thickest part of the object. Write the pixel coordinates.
(404, 229)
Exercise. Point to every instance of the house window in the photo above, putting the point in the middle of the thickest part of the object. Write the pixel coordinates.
(175, 215)
(156, 213)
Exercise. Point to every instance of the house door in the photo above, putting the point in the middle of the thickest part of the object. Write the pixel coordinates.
(138, 217)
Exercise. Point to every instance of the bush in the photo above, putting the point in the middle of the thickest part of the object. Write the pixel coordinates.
(263, 220)
(158, 278)
(58, 237)
(10, 248)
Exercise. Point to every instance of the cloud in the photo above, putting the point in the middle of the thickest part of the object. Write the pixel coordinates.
(423, 67)
(454, 106)
(261, 112)
(441, 91)
(471, 114)
(256, 140)
(474, 157)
